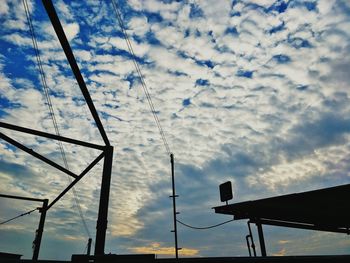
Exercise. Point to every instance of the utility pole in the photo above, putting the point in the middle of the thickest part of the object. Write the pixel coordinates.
(173, 196)
(88, 252)
(39, 232)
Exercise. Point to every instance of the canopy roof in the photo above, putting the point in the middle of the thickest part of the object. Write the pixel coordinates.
(325, 209)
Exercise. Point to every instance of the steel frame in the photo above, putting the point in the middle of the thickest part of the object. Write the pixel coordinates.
(77, 178)
(107, 149)
(261, 221)
(271, 222)
(40, 230)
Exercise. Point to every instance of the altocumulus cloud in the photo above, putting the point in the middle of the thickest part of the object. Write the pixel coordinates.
(255, 92)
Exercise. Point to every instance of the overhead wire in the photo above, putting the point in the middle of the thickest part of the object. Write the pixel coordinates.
(13, 218)
(86, 248)
(139, 72)
(51, 110)
(148, 96)
(205, 227)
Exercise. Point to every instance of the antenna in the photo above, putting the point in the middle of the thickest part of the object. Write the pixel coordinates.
(226, 192)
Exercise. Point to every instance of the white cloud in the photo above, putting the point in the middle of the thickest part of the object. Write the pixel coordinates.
(71, 30)
(18, 39)
(4, 8)
(154, 6)
(264, 3)
(65, 10)
(138, 25)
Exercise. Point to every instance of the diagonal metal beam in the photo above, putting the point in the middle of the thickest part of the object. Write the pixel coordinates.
(303, 226)
(50, 136)
(22, 198)
(50, 9)
(87, 169)
(37, 155)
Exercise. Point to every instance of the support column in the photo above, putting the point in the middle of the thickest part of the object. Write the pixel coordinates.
(250, 235)
(101, 226)
(174, 205)
(88, 252)
(261, 238)
(39, 233)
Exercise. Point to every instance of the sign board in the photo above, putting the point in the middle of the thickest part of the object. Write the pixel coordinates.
(226, 191)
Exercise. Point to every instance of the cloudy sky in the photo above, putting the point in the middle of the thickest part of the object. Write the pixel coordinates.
(252, 91)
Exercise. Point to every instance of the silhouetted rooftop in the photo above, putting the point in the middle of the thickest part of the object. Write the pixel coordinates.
(324, 209)
(284, 259)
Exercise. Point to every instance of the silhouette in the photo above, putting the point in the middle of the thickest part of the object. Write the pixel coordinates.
(321, 210)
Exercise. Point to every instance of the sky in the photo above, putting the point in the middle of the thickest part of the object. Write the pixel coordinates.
(255, 92)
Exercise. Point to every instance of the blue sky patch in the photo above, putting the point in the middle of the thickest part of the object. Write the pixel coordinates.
(182, 54)
(207, 105)
(2, 113)
(232, 14)
(207, 63)
(299, 42)
(17, 63)
(187, 33)
(202, 82)
(132, 79)
(245, 74)
(282, 59)
(197, 33)
(79, 101)
(186, 102)
(254, 6)
(16, 170)
(302, 87)
(153, 17)
(231, 31)
(177, 73)
(311, 6)
(278, 6)
(278, 28)
(5, 103)
(152, 39)
(196, 11)
(234, 2)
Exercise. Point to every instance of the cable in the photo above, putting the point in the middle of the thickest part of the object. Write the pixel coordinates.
(203, 228)
(138, 70)
(149, 99)
(26, 213)
(51, 111)
(85, 249)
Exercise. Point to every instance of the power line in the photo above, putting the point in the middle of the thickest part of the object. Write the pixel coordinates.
(50, 107)
(203, 228)
(13, 218)
(138, 70)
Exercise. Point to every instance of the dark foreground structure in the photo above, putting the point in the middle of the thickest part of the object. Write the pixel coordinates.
(321, 210)
(152, 259)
